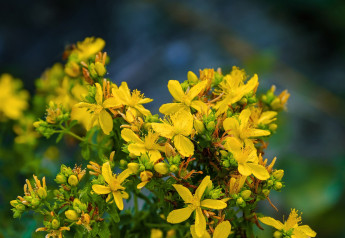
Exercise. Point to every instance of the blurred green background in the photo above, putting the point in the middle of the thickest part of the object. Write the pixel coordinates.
(296, 45)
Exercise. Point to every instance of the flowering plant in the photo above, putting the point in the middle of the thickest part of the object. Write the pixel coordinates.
(198, 171)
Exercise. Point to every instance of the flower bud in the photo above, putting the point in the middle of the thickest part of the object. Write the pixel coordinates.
(100, 69)
(226, 163)
(14, 203)
(35, 202)
(269, 182)
(211, 125)
(20, 207)
(240, 202)
(176, 159)
(277, 185)
(246, 194)
(133, 167)
(146, 176)
(132, 156)
(223, 153)
(192, 78)
(87, 218)
(243, 101)
(173, 168)
(73, 180)
(60, 178)
(278, 174)
(55, 224)
(277, 234)
(199, 126)
(273, 127)
(141, 168)
(42, 193)
(266, 192)
(161, 168)
(123, 163)
(72, 215)
(16, 214)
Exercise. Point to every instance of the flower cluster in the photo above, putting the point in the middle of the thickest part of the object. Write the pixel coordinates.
(202, 161)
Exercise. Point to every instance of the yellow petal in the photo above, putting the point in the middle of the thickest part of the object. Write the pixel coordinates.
(106, 122)
(233, 144)
(107, 174)
(142, 110)
(259, 171)
(256, 133)
(100, 189)
(184, 145)
(142, 184)
(195, 90)
(176, 90)
(123, 175)
(194, 235)
(306, 230)
(124, 195)
(213, 204)
(199, 106)
(244, 117)
(179, 215)
(171, 108)
(154, 155)
(91, 123)
(244, 169)
(299, 234)
(137, 148)
(267, 117)
(201, 189)
(231, 124)
(250, 85)
(222, 230)
(200, 222)
(123, 93)
(184, 192)
(129, 135)
(118, 199)
(183, 122)
(111, 102)
(99, 94)
(272, 222)
(163, 129)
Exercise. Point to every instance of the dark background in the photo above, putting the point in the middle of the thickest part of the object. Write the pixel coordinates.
(297, 45)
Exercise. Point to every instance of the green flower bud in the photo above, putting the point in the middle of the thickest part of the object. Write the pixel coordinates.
(277, 234)
(148, 165)
(246, 194)
(133, 167)
(277, 185)
(270, 182)
(173, 168)
(226, 163)
(243, 101)
(278, 174)
(73, 180)
(123, 163)
(199, 126)
(252, 100)
(47, 224)
(176, 159)
(224, 153)
(266, 192)
(20, 207)
(192, 78)
(211, 125)
(141, 168)
(161, 168)
(100, 69)
(72, 215)
(132, 156)
(93, 71)
(55, 224)
(42, 193)
(35, 202)
(240, 202)
(273, 127)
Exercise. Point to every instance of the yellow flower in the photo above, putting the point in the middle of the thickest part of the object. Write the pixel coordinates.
(156, 233)
(13, 100)
(241, 128)
(133, 101)
(258, 117)
(148, 145)
(222, 230)
(99, 111)
(114, 186)
(180, 127)
(54, 233)
(291, 225)
(234, 89)
(89, 47)
(184, 101)
(194, 203)
(39, 190)
(145, 177)
(246, 157)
